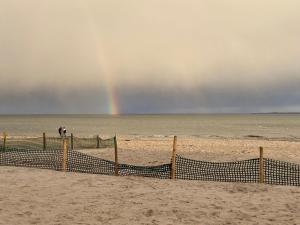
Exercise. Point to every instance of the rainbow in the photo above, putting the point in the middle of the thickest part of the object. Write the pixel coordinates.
(112, 99)
(105, 69)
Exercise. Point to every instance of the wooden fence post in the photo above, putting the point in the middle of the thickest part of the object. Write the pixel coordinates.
(116, 157)
(65, 155)
(72, 141)
(173, 160)
(261, 165)
(4, 140)
(44, 141)
(98, 141)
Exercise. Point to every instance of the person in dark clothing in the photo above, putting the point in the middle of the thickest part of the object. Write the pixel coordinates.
(65, 132)
(60, 131)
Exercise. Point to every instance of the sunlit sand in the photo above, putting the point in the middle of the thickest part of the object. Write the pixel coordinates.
(36, 196)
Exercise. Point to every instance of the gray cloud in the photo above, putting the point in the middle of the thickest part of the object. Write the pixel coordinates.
(160, 56)
(54, 101)
(155, 99)
(285, 98)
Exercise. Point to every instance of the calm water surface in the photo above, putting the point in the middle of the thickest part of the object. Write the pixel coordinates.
(202, 125)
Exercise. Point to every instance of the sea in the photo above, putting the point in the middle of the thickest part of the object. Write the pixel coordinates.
(274, 125)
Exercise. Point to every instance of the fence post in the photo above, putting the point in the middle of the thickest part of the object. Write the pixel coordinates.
(4, 140)
(261, 165)
(72, 141)
(173, 160)
(98, 141)
(116, 157)
(44, 141)
(65, 155)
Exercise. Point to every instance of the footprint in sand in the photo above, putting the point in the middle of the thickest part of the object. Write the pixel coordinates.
(149, 213)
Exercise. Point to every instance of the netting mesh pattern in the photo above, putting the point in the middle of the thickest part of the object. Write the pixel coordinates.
(30, 153)
(48, 154)
(45, 159)
(81, 143)
(25, 143)
(54, 143)
(283, 173)
(76, 162)
(275, 171)
(239, 171)
(81, 162)
(57, 143)
(160, 171)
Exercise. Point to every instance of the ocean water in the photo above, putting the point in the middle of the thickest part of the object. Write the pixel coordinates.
(202, 125)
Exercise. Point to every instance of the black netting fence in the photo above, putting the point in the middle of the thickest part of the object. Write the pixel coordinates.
(239, 171)
(275, 171)
(76, 161)
(49, 143)
(32, 153)
(24, 143)
(161, 171)
(96, 142)
(19, 156)
(283, 173)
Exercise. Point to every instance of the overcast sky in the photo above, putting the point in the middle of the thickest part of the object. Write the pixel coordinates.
(158, 56)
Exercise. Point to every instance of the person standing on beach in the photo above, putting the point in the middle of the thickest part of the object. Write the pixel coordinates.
(60, 131)
(65, 132)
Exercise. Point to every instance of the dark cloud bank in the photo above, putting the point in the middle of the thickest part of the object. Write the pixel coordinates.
(154, 99)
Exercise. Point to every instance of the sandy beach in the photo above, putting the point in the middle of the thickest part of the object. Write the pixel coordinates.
(93, 92)
(36, 196)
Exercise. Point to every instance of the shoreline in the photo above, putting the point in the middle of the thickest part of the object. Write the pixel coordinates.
(162, 136)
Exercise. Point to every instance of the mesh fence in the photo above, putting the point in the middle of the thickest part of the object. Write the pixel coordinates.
(81, 162)
(76, 162)
(240, 171)
(283, 173)
(24, 143)
(45, 159)
(160, 171)
(54, 143)
(275, 171)
(96, 142)
(57, 143)
(31, 153)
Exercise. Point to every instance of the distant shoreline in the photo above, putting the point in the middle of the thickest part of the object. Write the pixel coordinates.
(278, 113)
(144, 114)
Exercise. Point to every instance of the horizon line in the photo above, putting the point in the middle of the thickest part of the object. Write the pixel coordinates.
(124, 114)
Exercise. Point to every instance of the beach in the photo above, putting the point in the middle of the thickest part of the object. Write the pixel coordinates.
(36, 196)
(149, 112)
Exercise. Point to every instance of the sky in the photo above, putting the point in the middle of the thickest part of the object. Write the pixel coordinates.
(141, 56)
